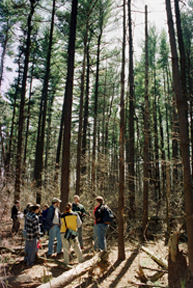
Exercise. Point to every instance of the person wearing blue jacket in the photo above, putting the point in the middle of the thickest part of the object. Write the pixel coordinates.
(53, 226)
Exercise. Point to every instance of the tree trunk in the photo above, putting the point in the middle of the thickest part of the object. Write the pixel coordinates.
(42, 120)
(184, 138)
(131, 122)
(4, 44)
(156, 148)
(85, 122)
(81, 115)
(95, 110)
(65, 173)
(22, 105)
(68, 277)
(121, 245)
(146, 134)
(28, 122)
(48, 134)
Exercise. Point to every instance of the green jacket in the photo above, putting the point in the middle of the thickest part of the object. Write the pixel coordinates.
(79, 208)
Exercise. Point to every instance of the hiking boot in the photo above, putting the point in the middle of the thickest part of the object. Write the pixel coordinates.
(50, 255)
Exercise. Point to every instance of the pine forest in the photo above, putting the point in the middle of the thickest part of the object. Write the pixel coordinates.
(87, 110)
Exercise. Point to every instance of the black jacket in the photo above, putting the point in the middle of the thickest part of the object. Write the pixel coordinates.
(14, 212)
(99, 213)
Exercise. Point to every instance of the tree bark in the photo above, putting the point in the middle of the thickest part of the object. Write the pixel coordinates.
(81, 114)
(131, 151)
(95, 110)
(121, 245)
(85, 121)
(65, 173)
(184, 138)
(146, 134)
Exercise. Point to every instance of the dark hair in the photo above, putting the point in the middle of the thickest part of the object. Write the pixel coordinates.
(100, 199)
(35, 207)
(17, 202)
(68, 208)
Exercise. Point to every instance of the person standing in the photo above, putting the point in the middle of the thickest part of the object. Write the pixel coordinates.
(79, 208)
(26, 210)
(70, 220)
(95, 238)
(32, 234)
(14, 216)
(53, 226)
(42, 218)
(101, 227)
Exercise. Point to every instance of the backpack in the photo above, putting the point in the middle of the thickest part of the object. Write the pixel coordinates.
(108, 215)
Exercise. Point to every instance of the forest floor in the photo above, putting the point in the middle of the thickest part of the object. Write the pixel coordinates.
(14, 273)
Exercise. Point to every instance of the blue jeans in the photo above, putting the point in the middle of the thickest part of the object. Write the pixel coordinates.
(54, 232)
(31, 249)
(25, 239)
(101, 230)
(95, 238)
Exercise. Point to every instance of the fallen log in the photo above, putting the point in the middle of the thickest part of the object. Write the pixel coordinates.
(159, 260)
(7, 249)
(145, 285)
(67, 277)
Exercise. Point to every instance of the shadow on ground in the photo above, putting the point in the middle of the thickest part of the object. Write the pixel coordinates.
(89, 280)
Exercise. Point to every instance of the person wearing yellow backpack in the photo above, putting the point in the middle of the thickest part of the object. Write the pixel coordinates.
(70, 222)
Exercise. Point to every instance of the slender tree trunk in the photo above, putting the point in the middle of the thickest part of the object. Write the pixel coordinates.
(65, 173)
(184, 138)
(22, 105)
(167, 105)
(85, 122)
(81, 116)
(3, 57)
(107, 122)
(48, 134)
(121, 245)
(131, 122)
(95, 111)
(146, 134)
(28, 121)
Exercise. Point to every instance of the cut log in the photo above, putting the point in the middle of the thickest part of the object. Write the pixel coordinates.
(159, 260)
(67, 277)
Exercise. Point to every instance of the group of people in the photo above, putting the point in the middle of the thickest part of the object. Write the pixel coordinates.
(66, 227)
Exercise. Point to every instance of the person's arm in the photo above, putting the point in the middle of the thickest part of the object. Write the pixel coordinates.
(36, 227)
(83, 211)
(49, 217)
(78, 221)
